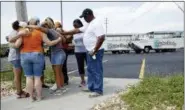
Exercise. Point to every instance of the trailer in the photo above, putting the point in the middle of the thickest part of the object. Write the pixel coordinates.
(117, 43)
(159, 41)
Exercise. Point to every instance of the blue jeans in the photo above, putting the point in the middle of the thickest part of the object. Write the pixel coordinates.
(32, 64)
(16, 63)
(57, 57)
(95, 72)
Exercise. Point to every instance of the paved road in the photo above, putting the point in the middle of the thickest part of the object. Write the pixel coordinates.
(129, 65)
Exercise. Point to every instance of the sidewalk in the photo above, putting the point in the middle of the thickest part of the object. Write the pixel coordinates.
(73, 99)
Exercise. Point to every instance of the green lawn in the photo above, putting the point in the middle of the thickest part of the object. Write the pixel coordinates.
(155, 92)
(48, 75)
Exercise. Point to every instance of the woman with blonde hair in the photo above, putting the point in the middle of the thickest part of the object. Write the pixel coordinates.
(59, 28)
(32, 59)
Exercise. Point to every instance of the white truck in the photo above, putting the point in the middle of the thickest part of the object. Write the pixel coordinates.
(158, 41)
(117, 43)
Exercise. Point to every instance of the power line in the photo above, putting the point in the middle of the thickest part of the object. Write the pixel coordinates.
(142, 14)
(178, 6)
(138, 7)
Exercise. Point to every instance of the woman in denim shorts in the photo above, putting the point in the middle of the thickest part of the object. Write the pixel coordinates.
(80, 51)
(32, 59)
(57, 56)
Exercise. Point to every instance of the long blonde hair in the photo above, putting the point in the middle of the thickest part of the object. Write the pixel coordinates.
(58, 25)
(50, 22)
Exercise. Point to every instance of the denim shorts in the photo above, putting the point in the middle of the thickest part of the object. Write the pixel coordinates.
(57, 57)
(16, 63)
(32, 63)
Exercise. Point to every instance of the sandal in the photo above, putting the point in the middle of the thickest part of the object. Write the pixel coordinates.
(22, 94)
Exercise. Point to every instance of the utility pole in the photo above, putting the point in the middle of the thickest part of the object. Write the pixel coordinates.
(106, 23)
(61, 12)
(21, 11)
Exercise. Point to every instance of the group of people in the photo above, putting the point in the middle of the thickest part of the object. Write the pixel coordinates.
(27, 54)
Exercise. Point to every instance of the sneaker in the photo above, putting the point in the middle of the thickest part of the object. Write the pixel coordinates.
(55, 91)
(95, 94)
(82, 84)
(85, 89)
(64, 89)
(60, 91)
(54, 87)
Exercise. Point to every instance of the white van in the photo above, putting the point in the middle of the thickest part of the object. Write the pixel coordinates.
(158, 41)
(117, 43)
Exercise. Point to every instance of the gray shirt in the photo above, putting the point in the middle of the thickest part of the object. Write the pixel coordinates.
(14, 53)
(52, 35)
(78, 42)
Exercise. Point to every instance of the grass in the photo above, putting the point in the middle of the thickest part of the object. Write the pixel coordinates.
(49, 75)
(155, 92)
(9, 76)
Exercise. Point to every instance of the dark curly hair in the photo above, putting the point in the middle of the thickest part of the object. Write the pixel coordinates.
(78, 22)
(15, 25)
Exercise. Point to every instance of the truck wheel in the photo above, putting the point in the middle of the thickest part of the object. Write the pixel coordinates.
(126, 51)
(120, 51)
(138, 51)
(172, 50)
(164, 50)
(147, 49)
(157, 50)
(113, 52)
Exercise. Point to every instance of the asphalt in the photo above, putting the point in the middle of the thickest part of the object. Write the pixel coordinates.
(129, 65)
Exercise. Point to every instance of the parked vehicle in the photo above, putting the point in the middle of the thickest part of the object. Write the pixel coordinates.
(160, 41)
(117, 43)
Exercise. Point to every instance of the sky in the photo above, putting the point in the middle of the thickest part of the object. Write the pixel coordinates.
(122, 17)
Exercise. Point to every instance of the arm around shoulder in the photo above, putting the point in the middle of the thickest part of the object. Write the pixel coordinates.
(48, 42)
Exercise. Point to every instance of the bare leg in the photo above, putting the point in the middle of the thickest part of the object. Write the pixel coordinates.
(58, 75)
(38, 87)
(30, 86)
(82, 78)
(17, 79)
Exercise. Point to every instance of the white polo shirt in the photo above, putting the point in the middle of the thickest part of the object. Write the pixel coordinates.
(91, 34)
